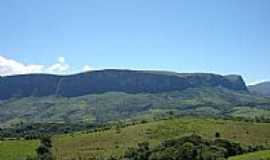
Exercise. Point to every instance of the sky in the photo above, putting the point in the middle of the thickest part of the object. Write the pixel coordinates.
(68, 36)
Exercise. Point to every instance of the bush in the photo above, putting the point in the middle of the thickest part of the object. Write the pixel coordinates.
(192, 147)
(44, 150)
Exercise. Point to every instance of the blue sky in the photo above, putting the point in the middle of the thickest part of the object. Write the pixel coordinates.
(65, 36)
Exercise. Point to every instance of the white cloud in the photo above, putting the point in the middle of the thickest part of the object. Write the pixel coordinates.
(11, 67)
(61, 59)
(59, 67)
(87, 68)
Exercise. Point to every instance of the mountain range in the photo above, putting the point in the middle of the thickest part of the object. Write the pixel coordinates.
(127, 81)
(113, 95)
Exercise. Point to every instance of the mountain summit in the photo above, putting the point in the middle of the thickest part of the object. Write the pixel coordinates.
(129, 81)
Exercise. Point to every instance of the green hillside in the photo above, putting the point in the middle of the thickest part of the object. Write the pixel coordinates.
(260, 155)
(118, 106)
(116, 140)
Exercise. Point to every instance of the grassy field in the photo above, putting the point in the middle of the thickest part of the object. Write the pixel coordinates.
(249, 112)
(261, 155)
(17, 149)
(115, 141)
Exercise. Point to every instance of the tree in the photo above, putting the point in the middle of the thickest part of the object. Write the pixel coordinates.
(217, 135)
(44, 150)
(187, 151)
(142, 152)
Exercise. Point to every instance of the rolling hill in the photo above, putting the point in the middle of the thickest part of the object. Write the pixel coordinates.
(262, 89)
(83, 145)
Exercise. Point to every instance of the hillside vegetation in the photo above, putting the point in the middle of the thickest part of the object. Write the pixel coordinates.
(113, 106)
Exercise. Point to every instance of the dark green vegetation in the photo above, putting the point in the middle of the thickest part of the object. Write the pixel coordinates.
(262, 89)
(127, 81)
(37, 130)
(192, 147)
(44, 151)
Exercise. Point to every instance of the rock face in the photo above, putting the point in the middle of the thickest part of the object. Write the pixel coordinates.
(128, 81)
(262, 89)
(28, 85)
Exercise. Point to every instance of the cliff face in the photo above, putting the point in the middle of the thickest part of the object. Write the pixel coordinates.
(28, 85)
(111, 80)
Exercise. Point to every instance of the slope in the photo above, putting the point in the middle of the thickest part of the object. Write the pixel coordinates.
(115, 140)
(113, 106)
(262, 89)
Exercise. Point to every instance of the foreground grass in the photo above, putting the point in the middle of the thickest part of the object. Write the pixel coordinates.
(261, 155)
(113, 142)
(17, 149)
